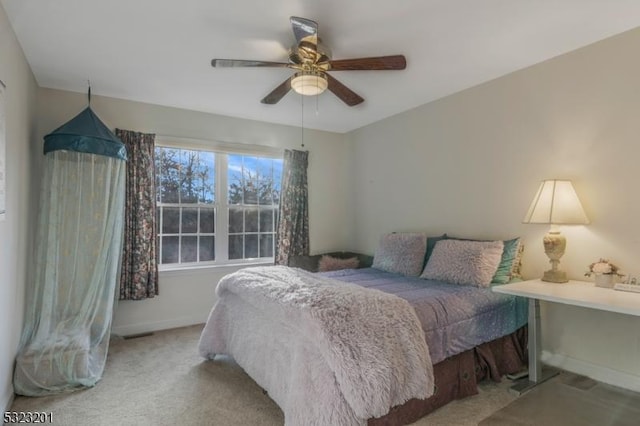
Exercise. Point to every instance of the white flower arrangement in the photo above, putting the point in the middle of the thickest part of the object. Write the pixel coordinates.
(603, 267)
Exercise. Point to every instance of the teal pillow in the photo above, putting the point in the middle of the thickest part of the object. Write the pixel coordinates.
(505, 269)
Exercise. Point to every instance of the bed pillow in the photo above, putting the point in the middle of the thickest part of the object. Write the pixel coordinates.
(431, 243)
(329, 263)
(509, 263)
(401, 253)
(464, 262)
(517, 263)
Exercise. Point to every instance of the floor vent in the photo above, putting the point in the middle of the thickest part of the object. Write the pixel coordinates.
(135, 336)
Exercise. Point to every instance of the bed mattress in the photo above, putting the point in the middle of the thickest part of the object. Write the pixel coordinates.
(454, 318)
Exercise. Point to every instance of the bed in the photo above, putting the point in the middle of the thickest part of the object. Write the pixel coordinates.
(472, 335)
(363, 346)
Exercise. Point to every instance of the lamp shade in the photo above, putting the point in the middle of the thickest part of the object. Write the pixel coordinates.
(556, 203)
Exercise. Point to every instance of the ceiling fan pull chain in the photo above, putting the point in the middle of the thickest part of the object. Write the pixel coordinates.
(89, 92)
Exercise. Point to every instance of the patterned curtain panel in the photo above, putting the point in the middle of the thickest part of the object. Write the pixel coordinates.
(139, 276)
(293, 221)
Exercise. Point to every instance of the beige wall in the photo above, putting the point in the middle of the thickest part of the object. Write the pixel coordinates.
(187, 296)
(20, 98)
(470, 164)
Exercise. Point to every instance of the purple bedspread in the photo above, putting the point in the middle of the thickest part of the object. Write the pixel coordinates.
(454, 318)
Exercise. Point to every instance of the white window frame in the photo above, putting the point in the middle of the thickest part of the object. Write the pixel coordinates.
(221, 204)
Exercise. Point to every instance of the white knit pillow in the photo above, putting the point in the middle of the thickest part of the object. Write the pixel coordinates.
(464, 262)
(401, 253)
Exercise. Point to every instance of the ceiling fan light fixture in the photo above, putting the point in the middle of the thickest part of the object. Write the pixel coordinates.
(309, 83)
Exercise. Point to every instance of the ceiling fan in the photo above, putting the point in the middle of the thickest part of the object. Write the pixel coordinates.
(312, 61)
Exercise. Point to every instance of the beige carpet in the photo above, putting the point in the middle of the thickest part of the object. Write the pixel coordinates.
(161, 380)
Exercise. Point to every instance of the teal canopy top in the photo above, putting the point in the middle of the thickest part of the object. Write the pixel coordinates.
(85, 133)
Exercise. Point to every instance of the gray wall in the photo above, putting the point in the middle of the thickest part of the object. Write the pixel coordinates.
(469, 165)
(15, 231)
(187, 296)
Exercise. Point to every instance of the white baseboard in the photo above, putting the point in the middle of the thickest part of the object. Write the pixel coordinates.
(147, 327)
(594, 371)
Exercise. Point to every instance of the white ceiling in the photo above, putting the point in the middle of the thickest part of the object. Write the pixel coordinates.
(159, 51)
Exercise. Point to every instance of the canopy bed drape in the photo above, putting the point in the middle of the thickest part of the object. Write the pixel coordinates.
(70, 298)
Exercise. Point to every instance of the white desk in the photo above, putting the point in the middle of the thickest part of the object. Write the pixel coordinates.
(576, 293)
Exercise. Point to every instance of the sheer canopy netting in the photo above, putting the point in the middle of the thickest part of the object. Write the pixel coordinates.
(70, 300)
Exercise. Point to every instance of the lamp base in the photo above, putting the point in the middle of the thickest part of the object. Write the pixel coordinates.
(554, 245)
(555, 276)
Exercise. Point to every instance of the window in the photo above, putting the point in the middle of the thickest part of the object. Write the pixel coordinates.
(215, 207)
(254, 191)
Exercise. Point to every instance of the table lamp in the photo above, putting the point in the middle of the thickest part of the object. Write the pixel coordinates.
(556, 203)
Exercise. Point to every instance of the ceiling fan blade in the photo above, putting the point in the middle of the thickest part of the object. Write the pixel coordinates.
(348, 96)
(304, 30)
(226, 63)
(394, 62)
(278, 93)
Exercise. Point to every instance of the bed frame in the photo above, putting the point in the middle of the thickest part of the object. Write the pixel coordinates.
(457, 377)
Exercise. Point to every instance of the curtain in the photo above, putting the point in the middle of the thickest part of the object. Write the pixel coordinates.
(139, 271)
(293, 214)
(70, 301)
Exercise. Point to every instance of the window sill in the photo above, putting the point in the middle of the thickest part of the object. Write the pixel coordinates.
(182, 269)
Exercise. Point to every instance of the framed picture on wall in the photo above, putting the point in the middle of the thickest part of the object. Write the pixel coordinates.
(3, 153)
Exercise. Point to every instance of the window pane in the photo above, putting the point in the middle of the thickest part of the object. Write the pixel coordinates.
(207, 221)
(265, 181)
(236, 191)
(266, 245)
(170, 249)
(234, 179)
(250, 192)
(265, 192)
(250, 246)
(235, 246)
(206, 177)
(188, 182)
(170, 220)
(236, 221)
(264, 167)
(250, 180)
(207, 249)
(251, 220)
(189, 221)
(170, 175)
(266, 220)
(189, 252)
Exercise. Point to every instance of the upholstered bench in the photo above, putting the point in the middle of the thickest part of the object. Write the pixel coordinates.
(313, 263)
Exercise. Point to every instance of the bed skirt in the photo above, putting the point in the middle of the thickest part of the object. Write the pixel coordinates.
(458, 376)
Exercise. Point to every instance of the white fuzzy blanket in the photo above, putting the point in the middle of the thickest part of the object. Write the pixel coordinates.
(309, 340)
